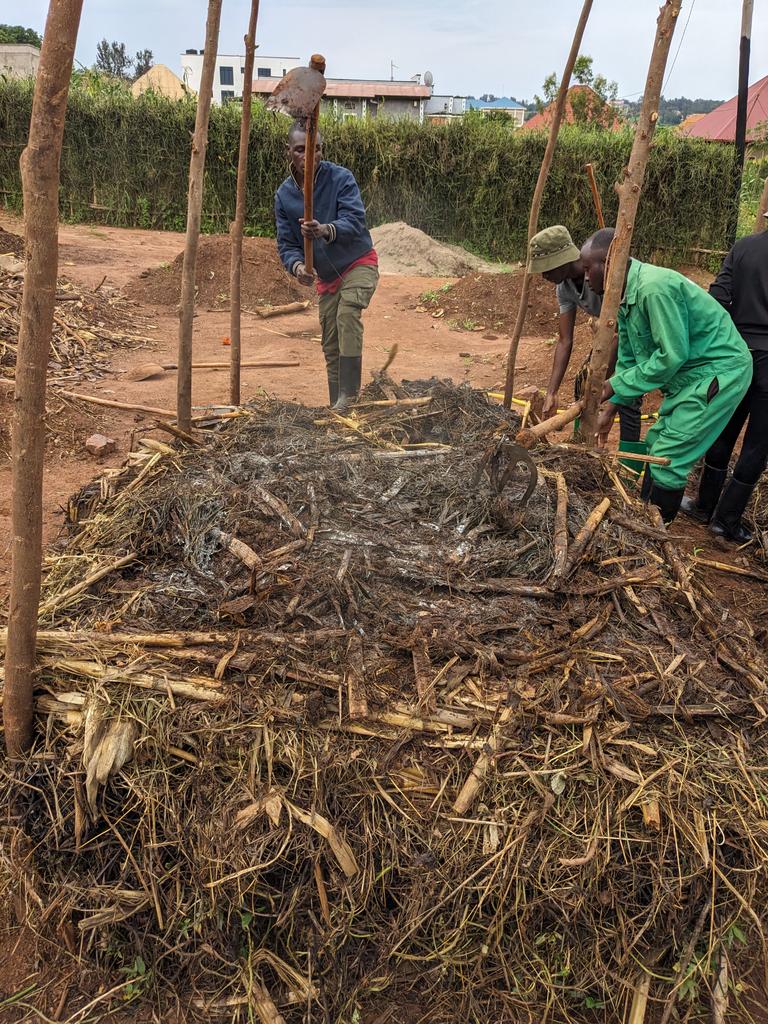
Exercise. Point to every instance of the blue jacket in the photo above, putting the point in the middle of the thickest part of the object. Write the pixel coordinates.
(337, 201)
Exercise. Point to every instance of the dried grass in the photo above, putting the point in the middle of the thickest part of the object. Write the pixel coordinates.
(398, 762)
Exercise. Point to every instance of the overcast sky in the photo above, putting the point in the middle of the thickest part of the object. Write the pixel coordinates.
(506, 47)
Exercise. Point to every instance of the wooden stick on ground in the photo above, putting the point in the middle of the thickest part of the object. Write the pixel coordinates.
(476, 778)
(40, 181)
(585, 535)
(561, 527)
(194, 212)
(533, 219)
(79, 588)
(640, 1000)
(629, 191)
(532, 435)
(110, 403)
(236, 228)
(290, 307)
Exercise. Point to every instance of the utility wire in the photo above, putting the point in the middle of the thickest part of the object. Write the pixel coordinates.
(680, 46)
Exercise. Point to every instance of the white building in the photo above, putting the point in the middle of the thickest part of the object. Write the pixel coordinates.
(229, 72)
(19, 60)
(445, 108)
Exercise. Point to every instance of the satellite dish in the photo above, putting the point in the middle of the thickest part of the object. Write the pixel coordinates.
(429, 78)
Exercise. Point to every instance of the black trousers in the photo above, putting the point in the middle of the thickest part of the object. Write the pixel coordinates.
(629, 415)
(752, 410)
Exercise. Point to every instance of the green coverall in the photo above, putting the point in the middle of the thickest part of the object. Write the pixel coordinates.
(675, 337)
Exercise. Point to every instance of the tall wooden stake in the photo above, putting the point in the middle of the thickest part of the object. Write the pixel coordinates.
(629, 191)
(40, 178)
(236, 228)
(745, 43)
(194, 210)
(533, 219)
(761, 224)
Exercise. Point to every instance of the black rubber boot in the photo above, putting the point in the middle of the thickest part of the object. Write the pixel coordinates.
(726, 521)
(666, 501)
(710, 488)
(333, 391)
(350, 372)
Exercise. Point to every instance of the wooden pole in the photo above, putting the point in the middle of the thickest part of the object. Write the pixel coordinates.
(761, 224)
(595, 195)
(629, 191)
(317, 61)
(745, 43)
(530, 436)
(533, 219)
(40, 180)
(194, 210)
(238, 224)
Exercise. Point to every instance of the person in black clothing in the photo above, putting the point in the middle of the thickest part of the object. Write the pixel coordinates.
(742, 288)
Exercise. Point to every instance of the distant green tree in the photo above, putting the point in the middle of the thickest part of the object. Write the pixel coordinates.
(142, 63)
(594, 107)
(19, 34)
(673, 111)
(112, 59)
(582, 70)
(549, 89)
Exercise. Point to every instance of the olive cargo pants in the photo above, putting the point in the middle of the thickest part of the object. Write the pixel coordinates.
(341, 317)
(693, 416)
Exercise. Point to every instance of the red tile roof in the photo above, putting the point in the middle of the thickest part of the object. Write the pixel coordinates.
(544, 119)
(720, 124)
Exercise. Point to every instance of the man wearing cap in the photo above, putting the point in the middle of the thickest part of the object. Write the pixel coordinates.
(553, 255)
(675, 337)
(742, 288)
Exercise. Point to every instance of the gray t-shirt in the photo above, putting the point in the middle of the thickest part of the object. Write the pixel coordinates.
(570, 296)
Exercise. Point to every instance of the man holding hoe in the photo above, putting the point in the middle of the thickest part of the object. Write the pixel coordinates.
(346, 264)
(675, 337)
(553, 255)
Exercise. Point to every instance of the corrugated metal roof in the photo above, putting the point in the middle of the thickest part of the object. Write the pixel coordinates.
(720, 124)
(355, 88)
(504, 103)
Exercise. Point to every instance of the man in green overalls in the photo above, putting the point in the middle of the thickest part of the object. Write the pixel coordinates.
(675, 337)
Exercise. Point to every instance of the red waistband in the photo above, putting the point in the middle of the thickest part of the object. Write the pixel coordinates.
(370, 259)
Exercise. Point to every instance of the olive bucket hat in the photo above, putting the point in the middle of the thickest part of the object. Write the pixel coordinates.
(551, 248)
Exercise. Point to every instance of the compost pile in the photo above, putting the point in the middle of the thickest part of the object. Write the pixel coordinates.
(10, 243)
(331, 722)
(493, 300)
(87, 327)
(264, 281)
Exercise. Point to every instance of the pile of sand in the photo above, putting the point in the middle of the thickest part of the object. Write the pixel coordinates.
(406, 250)
(264, 280)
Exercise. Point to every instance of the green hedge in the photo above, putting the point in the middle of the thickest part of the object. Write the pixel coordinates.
(125, 162)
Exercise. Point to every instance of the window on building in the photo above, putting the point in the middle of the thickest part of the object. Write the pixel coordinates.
(349, 105)
(226, 76)
(242, 70)
(264, 72)
(227, 95)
